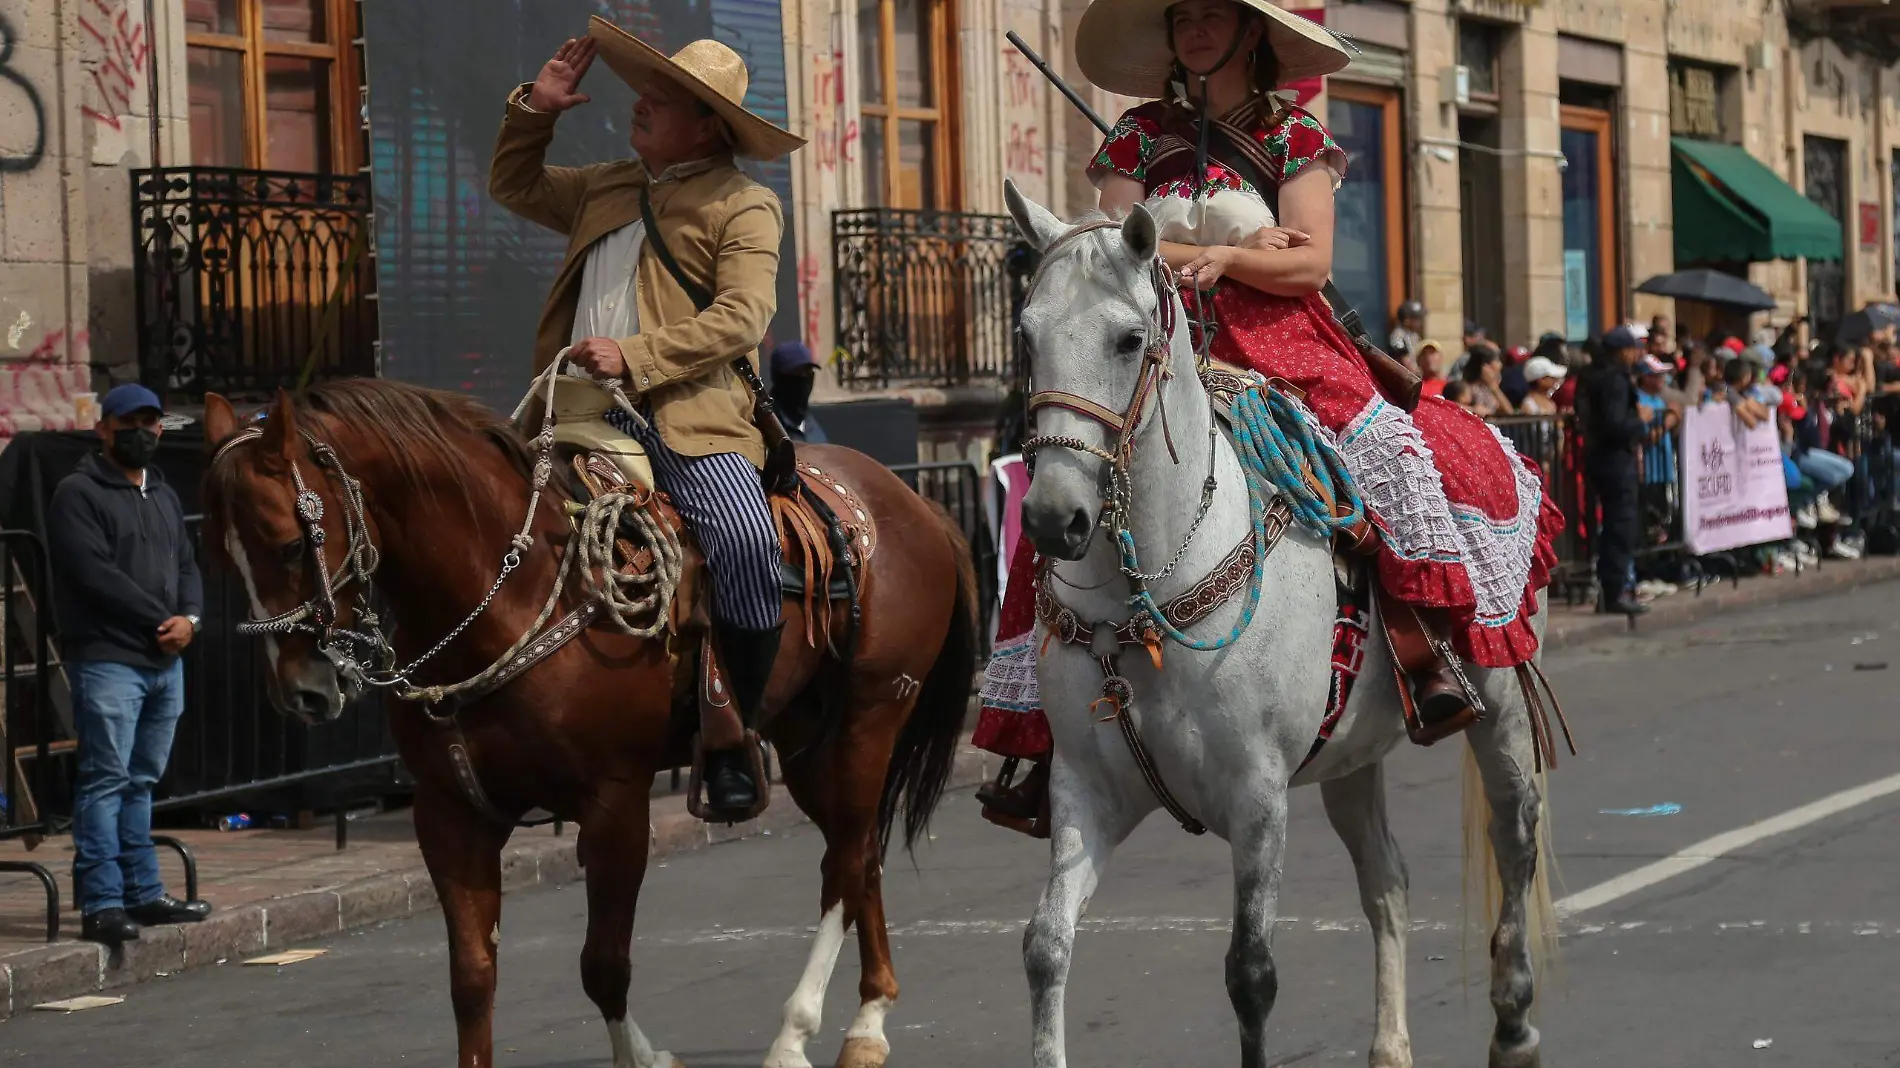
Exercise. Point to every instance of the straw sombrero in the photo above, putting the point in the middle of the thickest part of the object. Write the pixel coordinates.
(1122, 45)
(710, 71)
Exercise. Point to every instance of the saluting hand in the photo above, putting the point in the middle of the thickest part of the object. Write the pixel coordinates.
(556, 88)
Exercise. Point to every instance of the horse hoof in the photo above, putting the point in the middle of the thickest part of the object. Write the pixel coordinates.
(664, 1059)
(1524, 1055)
(864, 1053)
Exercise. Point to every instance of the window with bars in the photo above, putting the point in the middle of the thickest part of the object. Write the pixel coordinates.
(272, 84)
(904, 75)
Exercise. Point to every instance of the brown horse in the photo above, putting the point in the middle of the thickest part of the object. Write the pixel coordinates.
(437, 486)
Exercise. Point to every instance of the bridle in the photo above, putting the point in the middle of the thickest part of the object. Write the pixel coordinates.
(317, 615)
(1150, 383)
(365, 656)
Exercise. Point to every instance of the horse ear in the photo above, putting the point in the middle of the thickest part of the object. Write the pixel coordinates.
(280, 431)
(1039, 226)
(1140, 235)
(220, 421)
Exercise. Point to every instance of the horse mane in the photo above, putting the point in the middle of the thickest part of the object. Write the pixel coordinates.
(414, 427)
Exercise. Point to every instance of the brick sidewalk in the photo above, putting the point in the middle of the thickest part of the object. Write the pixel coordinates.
(277, 888)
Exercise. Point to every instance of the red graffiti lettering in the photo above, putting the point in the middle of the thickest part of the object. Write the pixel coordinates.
(49, 346)
(123, 52)
(1024, 153)
(808, 298)
(834, 138)
(1021, 78)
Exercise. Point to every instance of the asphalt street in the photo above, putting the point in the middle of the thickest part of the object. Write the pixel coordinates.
(1792, 940)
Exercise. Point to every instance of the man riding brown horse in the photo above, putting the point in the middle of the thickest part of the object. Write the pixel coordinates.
(670, 276)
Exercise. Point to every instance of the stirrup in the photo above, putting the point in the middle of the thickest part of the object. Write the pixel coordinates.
(697, 802)
(998, 792)
(1422, 732)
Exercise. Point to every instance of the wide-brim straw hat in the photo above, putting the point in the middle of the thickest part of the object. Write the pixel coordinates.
(1122, 45)
(710, 71)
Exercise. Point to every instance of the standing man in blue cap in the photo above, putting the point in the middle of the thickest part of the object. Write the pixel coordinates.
(128, 597)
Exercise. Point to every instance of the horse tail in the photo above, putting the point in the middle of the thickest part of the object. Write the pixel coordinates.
(1483, 892)
(926, 747)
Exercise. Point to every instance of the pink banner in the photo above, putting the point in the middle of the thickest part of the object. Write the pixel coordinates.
(1733, 490)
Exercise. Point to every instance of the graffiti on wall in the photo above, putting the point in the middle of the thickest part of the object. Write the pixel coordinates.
(1023, 153)
(116, 52)
(834, 135)
(19, 97)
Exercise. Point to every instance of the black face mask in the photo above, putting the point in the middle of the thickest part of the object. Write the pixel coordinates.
(134, 446)
(792, 394)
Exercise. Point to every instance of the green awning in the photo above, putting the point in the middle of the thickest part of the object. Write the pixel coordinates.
(1731, 208)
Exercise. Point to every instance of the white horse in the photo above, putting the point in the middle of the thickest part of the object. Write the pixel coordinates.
(1226, 730)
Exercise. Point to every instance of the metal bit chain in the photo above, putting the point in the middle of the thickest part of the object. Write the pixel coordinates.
(1208, 488)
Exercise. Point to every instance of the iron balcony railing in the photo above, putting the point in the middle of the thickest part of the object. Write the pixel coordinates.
(927, 297)
(251, 280)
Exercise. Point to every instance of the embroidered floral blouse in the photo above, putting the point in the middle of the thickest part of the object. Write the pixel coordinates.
(1143, 147)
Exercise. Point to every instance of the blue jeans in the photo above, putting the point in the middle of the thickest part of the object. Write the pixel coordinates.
(1828, 470)
(124, 717)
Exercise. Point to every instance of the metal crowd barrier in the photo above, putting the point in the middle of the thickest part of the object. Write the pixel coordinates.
(1868, 501)
(1552, 441)
(34, 734)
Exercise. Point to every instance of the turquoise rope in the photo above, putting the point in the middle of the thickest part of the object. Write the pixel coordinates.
(1262, 419)
(1272, 460)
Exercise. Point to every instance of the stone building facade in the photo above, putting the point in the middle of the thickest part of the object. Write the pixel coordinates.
(75, 117)
(1514, 162)
(1564, 117)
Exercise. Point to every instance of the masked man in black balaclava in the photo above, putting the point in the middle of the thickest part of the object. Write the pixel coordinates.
(128, 596)
(793, 374)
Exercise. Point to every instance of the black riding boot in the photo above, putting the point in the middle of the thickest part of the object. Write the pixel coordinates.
(747, 656)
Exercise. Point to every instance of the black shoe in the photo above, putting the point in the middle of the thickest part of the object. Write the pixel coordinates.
(109, 926)
(729, 785)
(168, 909)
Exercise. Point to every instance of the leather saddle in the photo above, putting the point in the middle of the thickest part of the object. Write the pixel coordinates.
(826, 535)
(823, 526)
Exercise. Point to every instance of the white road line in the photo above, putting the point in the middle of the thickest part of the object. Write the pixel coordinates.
(1711, 849)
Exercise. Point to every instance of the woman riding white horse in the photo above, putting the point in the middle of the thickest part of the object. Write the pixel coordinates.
(1464, 527)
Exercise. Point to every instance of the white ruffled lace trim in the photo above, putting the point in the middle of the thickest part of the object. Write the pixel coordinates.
(1009, 681)
(1398, 477)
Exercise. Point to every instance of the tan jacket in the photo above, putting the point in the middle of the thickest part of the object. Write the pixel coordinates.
(724, 230)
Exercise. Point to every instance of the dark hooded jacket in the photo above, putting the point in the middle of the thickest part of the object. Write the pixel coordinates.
(122, 563)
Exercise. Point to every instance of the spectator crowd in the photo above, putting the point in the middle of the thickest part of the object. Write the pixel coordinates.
(1606, 413)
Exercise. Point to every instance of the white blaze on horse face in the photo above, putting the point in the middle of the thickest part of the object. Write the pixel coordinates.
(234, 545)
(804, 1010)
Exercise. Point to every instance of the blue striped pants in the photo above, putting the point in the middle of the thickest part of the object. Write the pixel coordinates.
(723, 503)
